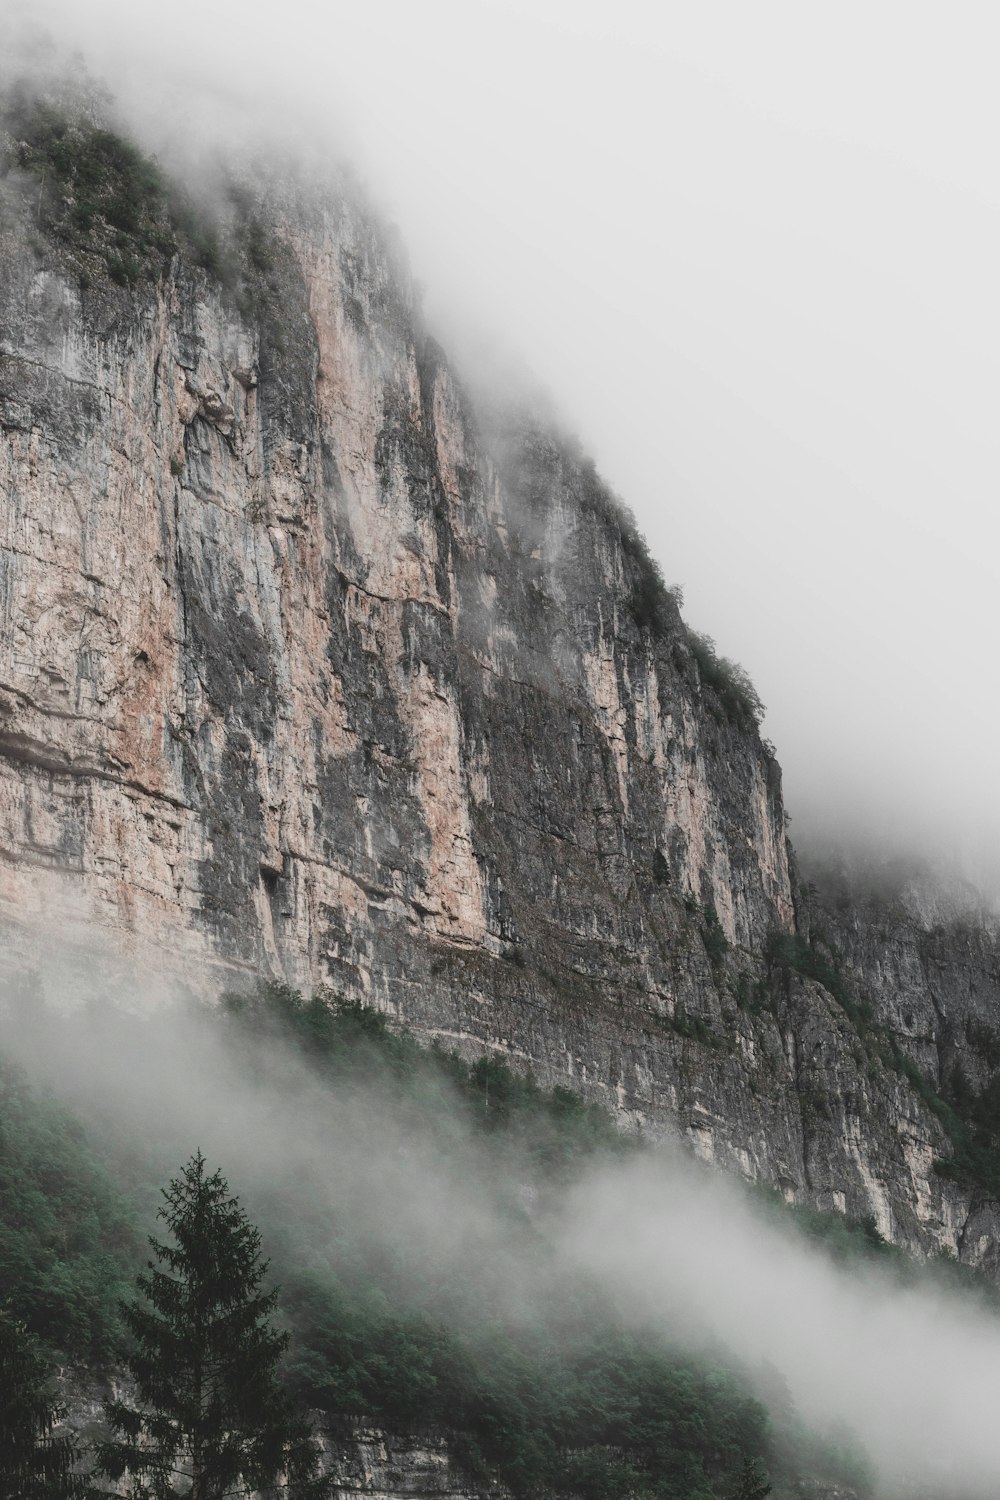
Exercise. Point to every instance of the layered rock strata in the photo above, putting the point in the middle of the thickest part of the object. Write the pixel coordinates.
(305, 671)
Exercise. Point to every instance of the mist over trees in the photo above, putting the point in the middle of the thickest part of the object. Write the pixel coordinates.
(429, 1295)
(459, 1250)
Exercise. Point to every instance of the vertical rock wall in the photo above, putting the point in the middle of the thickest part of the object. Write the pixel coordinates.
(298, 675)
(302, 674)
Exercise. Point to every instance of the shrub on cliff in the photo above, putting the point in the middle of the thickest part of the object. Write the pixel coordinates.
(98, 195)
(100, 198)
(730, 682)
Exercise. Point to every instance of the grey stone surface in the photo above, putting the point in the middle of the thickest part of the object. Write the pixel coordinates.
(306, 669)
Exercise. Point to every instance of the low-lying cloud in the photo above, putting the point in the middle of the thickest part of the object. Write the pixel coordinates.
(912, 1373)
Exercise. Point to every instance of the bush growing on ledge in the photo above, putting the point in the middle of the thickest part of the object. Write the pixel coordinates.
(730, 682)
(655, 606)
(715, 940)
(792, 951)
(97, 195)
(105, 202)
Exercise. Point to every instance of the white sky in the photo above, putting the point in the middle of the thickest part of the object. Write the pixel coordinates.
(753, 251)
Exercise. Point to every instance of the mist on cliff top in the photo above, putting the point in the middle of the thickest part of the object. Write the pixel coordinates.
(751, 251)
(911, 1373)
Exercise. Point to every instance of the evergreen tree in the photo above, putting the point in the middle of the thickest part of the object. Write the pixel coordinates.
(754, 1483)
(210, 1419)
(34, 1463)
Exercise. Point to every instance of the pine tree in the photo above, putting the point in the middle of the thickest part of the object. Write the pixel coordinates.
(754, 1483)
(210, 1419)
(35, 1464)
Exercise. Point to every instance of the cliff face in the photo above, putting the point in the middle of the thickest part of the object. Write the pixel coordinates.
(302, 672)
(297, 675)
(924, 954)
(925, 951)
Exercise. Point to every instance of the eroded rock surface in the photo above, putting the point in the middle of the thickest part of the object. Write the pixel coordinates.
(305, 671)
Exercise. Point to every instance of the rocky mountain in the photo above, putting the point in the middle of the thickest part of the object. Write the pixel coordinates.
(308, 667)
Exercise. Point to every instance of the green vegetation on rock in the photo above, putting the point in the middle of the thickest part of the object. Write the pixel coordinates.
(655, 607)
(573, 1404)
(114, 215)
(568, 1400)
(970, 1118)
(97, 195)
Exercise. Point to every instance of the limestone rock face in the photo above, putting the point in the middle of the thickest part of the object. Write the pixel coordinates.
(307, 670)
(924, 952)
(299, 676)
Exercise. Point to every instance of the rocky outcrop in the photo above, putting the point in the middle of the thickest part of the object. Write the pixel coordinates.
(359, 1458)
(305, 669)
(922, 950)
(387, 1466)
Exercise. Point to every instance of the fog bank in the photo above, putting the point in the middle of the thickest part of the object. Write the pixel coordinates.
(913, 1373)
